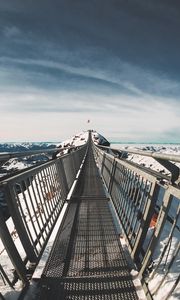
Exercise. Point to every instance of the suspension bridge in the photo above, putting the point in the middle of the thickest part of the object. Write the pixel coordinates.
(97, 208)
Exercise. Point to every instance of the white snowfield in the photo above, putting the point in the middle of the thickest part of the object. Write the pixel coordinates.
(76, 141)
(79, 140)
(150, 162)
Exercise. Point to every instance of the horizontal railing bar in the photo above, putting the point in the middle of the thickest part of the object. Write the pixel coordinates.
(164, 156)
(31, 170)
(8, 155)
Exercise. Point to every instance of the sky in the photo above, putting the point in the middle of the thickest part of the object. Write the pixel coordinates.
(115, 63)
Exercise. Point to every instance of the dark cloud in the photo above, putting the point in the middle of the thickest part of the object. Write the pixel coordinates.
(142, 32)
(109, 47)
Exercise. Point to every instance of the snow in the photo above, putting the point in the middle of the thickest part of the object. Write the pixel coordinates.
(14, 164)
(79, 140)
(76, 141)
(154, 281)
(150, 162)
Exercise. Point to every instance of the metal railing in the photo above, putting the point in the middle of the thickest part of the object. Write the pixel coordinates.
(34, 201)
(162, 158)
(148, 213)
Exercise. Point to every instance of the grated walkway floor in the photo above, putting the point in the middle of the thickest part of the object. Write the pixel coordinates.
(87, 261)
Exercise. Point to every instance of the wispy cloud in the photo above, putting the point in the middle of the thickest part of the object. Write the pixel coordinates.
(116, 61)
(121, 77)
(11, 31)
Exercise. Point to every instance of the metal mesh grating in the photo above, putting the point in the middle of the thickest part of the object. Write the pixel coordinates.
(87, 260)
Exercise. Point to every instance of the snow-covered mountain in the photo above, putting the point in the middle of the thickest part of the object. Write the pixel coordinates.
(25, 146)
(15, 164)
(80, 139)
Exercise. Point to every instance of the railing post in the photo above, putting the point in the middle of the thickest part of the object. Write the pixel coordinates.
(11, 250)
(146, 221)
(103, 159)
(113, 170)
(62, 177)
(13, 209)
(158, 229)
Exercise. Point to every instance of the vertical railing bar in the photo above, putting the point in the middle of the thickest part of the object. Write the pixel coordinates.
(29, 212)
(133, 207)
(102, 166)
(52, 172)
(159, 226)
(57, 179)
(45, 200)
(123, 193)
(73, 158)
(169, 239)
(122, 188)
(70, 171)
(167, 271)
(12, 250)
(113, 170)
(50, 195)
(43, 229)
(172, 288)
(115, 192)
(20, 227)
(62, 192)
(47, 189)
(136, 208)
(35, 214)
(33, 207)
(24, 218)
(62, 178)
(5, 277)
(149, 193)
(127, 197)
(140, 211)
(43, 203)
(131, 199)
(54, 186)
(151, 200)
(52, 200)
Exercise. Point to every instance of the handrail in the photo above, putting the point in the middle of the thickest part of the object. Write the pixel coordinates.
(158, 155)
(164, 159)
(9, 155)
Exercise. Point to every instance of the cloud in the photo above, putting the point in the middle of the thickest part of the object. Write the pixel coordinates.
(116, 77)
(119, 117)
(11, 31)
(115, 60)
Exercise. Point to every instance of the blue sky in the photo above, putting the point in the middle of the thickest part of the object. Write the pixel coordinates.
(114, 62)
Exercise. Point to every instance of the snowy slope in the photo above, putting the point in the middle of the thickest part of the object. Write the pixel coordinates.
(80, 139)
(150, 162)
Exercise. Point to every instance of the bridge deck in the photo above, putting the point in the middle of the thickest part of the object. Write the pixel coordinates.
(87, 260)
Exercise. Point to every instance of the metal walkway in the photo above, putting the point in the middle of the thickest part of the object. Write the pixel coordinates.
(87, 260)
